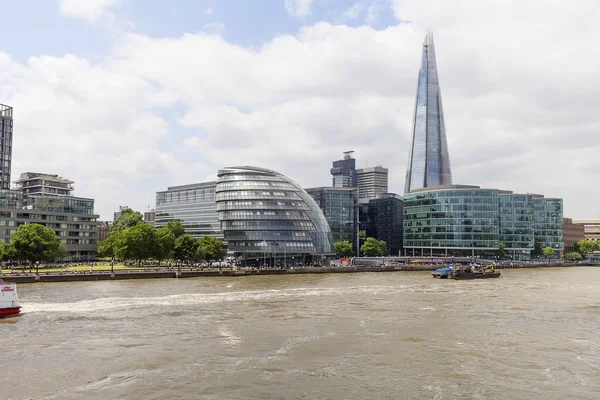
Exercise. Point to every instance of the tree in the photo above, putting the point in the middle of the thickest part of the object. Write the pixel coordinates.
(501, 253)
(548, 252)
(128, 219)
(201, 254)
(373, 247)
(572, 256)
(109, 246)
(185, 247)
(362, 234)
(213, 246)
(343, 248)
(35, 243)
(586, 246)
(166, 242)
(537, 248)
(138, 243)
(176, 227)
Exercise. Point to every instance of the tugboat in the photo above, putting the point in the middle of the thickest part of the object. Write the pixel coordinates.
(9, 301)
(474, 272)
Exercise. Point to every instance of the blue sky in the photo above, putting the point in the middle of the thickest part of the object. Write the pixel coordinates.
(128, 97)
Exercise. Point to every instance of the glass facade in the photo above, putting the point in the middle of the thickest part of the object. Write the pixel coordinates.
(516, 223)
(458, 218)
(193, 205)
(382, 219)
(428, 161)
(344, 171)
(266, 216)
(548, 222)
(468, 217)
(6, 135)
(340, 207)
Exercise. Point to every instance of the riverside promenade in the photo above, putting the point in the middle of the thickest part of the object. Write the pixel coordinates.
(215, 273)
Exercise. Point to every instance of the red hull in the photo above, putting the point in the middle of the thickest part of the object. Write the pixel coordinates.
(5, 312)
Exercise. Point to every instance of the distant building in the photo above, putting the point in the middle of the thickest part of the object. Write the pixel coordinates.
(150, 217)
(39, 199)
(116, 215)
(6, 136)
(573, 233)
(591, 228)
(193, 205)
(464, 220)
(340, 207)
(428, 160)
(381, 218)
(37, 183)
(344, 171)
(371, 182)
(103, 230)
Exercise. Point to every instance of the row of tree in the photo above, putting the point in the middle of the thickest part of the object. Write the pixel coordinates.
(131, 238)
(371, 247)
(33, 243)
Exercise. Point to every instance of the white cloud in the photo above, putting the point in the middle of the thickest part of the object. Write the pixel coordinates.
(298, 8)
(216, 28)
(519, 102)
(208, 11)
(354, 11)
(88, 9)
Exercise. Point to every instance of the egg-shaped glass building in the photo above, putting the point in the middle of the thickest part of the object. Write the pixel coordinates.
(268, 219)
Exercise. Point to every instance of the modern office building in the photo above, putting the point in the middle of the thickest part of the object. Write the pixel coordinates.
(344, 171)
(516, 224)
(548, 222)
(267, 218)
(72, 218)
(463, 220)
(382, 218)
(371, 182)
(37, 183)
(591, 228)
(572, 233)
(6, 135)
(193, 205)
(340, 207)
(428, 161)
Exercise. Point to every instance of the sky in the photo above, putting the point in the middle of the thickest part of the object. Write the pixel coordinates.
(129, 97)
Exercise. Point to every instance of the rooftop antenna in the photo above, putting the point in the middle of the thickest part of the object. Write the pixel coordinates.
(348, 154)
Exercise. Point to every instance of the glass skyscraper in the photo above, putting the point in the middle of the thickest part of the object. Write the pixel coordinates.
(428, 161)
(6, 131)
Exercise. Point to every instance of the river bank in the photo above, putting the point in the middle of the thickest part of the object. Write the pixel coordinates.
(194, 273)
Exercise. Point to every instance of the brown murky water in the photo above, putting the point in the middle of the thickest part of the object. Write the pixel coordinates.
(531, 334)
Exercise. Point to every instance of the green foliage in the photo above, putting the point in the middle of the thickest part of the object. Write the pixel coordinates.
(185, 247)
(213, 246)
(362, 234)
(501, 252)
(35, 243)
(572, 256)
(138, 242)
(537, 248)
(586, 246)
(548, 252)
(176, 227)
(373, 247)
(109, 246)
(343, 248)
(166, 243)
(128, 219)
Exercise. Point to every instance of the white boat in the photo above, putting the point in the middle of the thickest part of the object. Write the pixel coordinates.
(9, 300)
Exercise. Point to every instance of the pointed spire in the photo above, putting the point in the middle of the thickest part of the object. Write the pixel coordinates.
(428, 162)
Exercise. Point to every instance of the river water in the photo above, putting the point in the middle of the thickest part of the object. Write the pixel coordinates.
(531, 334)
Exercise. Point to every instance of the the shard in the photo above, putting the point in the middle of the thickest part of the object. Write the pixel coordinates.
(428, 161)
